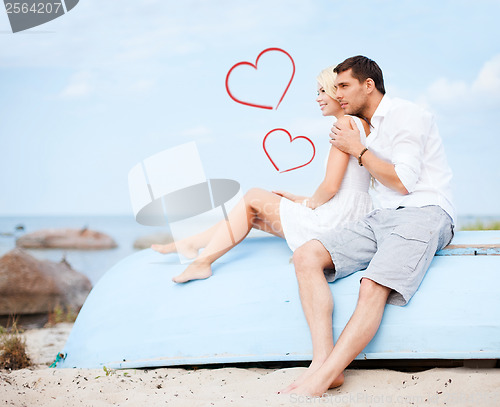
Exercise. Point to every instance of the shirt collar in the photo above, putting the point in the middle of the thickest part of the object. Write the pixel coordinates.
(383, 107)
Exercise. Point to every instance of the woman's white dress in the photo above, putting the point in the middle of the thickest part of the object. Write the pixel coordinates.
(352, 202)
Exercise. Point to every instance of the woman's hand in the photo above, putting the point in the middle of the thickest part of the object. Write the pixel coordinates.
(291, 197)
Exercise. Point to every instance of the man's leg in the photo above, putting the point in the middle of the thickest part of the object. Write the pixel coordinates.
(310, 260)
(358, 332)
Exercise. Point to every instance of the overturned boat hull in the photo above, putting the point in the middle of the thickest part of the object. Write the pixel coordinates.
(250, 311)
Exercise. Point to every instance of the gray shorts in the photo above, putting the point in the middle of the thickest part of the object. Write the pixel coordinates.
(395, 246)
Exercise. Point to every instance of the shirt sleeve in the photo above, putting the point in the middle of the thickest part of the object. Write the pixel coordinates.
(410, 135)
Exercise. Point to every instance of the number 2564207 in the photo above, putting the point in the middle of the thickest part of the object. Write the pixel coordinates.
(35, 8)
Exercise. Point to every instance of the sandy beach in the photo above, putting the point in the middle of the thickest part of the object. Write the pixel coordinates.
(43, 386)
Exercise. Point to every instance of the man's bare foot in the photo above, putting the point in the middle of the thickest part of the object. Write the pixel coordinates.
(186, 250)
(339, 381)
(195, 271)
(314, 386)
(308, 373)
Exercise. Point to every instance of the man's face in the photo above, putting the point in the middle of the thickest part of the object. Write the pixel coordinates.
(350, 93)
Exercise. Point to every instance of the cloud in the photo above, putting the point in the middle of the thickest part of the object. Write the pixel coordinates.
(149, 31)
(312, 127)
(103, 84)
(201, 134)
(129, 50)
(79, 86)
(198, 131)
(488, 80)
(142, 86)
(482, 92)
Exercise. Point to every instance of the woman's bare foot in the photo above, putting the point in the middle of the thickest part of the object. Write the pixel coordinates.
(164, 248)
(195, 271)
(186, 250)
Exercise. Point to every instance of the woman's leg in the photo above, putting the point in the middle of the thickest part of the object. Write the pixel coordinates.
(189, 246)
(258, 209)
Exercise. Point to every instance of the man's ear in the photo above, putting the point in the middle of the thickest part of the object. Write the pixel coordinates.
(370, 85)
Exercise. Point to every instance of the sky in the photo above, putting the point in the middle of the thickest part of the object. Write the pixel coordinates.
(86, 97)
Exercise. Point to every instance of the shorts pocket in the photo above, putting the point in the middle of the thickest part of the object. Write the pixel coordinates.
(411, 242)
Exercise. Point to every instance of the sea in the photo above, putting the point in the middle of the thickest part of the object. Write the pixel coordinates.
(123, 229)
(93, 263)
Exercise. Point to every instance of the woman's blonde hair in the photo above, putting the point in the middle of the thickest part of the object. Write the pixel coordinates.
(326, 79)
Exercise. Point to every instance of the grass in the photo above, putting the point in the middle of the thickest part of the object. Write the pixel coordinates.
(480, 225)
(62, 314)
(111, 372)
(13, 353)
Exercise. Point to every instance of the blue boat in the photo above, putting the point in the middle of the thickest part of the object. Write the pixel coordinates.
(250, 311)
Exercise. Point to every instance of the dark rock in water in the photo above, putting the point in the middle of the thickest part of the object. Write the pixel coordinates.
(19, 227)
(66, 239)
(31, 286)
(145, 242)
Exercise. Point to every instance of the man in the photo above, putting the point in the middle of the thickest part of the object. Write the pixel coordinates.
(395, 243)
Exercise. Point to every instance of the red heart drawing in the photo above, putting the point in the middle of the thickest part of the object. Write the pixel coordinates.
(291, 141)
(255, 67)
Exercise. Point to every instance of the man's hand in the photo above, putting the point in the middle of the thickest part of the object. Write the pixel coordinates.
(346, 137)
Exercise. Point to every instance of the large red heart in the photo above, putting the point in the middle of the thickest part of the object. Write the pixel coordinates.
(255, 67)
(291, 141)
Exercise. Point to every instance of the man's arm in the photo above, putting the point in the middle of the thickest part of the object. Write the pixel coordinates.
(347, 139)
(381, 170)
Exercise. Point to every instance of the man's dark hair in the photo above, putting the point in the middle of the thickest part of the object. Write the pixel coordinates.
(362, 69)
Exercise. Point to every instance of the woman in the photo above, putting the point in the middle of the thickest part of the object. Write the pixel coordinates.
(340, 198)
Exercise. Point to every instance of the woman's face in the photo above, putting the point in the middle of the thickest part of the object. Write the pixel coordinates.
(328, 105)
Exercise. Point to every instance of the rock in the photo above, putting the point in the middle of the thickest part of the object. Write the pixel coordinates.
(145, 242)
(66, 239)
(31, 286)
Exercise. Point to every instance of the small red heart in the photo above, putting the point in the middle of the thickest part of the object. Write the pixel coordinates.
(255, 67)
(291, 141)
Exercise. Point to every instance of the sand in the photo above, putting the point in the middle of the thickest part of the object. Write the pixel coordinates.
(43, 386)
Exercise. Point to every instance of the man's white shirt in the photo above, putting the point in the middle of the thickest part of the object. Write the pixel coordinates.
(407, 136)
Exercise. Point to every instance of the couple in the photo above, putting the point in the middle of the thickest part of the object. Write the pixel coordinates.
(334, 233)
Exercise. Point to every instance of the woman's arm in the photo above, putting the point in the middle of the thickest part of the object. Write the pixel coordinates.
(335, 170)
